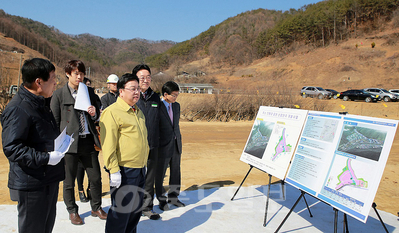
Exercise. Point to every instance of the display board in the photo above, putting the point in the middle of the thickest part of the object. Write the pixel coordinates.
(340, 159)
(273, 138)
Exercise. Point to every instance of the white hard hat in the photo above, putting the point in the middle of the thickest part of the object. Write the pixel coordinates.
(112, 78)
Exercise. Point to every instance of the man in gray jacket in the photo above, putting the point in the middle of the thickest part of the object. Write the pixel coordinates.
(81, 125)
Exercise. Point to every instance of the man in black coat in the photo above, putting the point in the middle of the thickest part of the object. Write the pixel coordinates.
(81, 125)
(170, 147)
(149, 103)
(29, 130)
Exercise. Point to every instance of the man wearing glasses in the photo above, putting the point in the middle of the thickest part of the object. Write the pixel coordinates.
(149, 103)
(125, 152)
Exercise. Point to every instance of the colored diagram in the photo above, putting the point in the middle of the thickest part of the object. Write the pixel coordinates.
(361, 141)
(348, 177)
(259, 138)
(281, 146)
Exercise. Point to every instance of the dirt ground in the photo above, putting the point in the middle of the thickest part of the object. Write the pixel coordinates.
(211, 158)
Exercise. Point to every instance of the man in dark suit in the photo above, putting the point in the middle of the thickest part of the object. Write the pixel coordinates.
(81, 125)
(170, 147)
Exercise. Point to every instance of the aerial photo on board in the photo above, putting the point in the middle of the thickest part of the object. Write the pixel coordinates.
(361, 141)
(259, 138)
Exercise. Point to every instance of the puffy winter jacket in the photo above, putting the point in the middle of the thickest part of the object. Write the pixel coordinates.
(29, 130)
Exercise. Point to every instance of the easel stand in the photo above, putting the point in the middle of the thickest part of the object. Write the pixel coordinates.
(292, 208)
(345, 227)
(267, 201)
(250, 168)
(379, 217)
(268, 197)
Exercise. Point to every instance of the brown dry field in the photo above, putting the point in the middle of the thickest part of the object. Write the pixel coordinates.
(212, 150)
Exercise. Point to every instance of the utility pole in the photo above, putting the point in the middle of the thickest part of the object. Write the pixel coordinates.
(19, 71)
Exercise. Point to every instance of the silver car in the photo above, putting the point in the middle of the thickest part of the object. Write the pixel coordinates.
(383, 94)
(315, 92)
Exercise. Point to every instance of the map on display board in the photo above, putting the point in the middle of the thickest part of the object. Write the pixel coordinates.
(273, 138)
(340, 159)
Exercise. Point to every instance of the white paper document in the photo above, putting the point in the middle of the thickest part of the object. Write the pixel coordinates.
(82, 101)
(63, 142)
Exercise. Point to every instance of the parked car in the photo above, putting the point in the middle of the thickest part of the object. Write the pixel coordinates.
(315, 92)
(334, 94)
(394, 91)
(358, 95)
(384, 94)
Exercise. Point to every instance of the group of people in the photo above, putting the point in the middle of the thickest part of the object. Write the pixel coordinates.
(139, 139)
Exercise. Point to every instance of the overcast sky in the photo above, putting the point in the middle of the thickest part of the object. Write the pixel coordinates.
(176, 20)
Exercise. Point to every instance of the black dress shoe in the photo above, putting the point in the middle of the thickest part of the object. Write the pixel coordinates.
(151, 214)
(176, 202)
(83, 197)
(163, 205)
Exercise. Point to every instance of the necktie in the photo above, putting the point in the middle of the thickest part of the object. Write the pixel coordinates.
(81, 122)
(170, 112)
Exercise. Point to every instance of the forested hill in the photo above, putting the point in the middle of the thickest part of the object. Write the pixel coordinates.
(97, 52)
(238, 40)
(255, 34)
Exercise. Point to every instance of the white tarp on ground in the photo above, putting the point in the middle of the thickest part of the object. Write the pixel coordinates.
(211, 210)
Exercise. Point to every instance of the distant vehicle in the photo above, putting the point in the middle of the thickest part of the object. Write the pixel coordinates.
(394, 91)
(315, 92)
(13, 90)
(384, 94)
(358, 95)
(334, 94)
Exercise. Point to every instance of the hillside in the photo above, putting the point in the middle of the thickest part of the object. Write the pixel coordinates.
(102, 55)
(326, 44)
(341, 67)
(11, 54)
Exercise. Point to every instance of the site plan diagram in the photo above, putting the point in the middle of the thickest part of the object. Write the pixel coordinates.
(340, 159)
(273, 138)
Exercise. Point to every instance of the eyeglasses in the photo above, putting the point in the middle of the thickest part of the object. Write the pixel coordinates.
(133, 89)
(148, 78)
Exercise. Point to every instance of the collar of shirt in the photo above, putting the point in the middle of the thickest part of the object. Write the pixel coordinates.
(166, 104)
(73, 91)
(125, 106)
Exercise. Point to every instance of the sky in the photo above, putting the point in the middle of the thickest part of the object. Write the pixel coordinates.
(177, 20)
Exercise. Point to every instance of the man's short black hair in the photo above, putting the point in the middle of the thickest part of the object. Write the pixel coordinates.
(36, 68)
(73, 65)
(127, 77)
(140, 67)
(170, 87)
